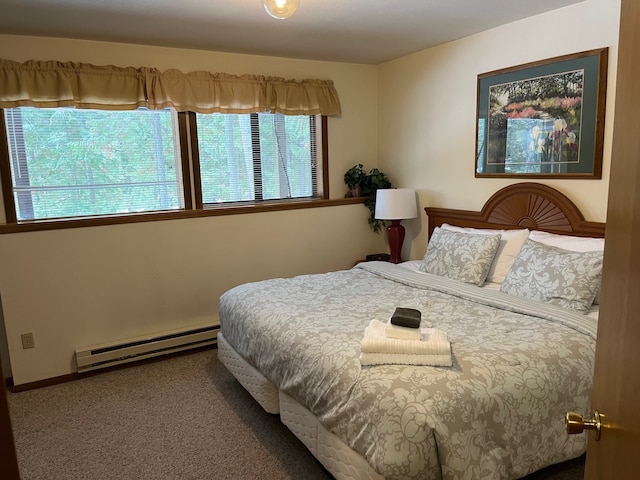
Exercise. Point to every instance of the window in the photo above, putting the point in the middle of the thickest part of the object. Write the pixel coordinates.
(75, 163)
(257, 157)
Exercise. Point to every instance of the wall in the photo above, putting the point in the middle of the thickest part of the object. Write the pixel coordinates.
(426, 129)
(83, 286)
(76, 287)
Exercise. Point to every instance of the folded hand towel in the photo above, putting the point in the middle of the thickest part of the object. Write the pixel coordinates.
(402, 333)
(405, 359)
(433, 341)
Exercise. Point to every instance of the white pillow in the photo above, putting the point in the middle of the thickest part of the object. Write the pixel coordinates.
(510, 244)
(568, 242)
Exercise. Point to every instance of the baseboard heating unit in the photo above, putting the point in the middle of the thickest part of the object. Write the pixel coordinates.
(133, 349)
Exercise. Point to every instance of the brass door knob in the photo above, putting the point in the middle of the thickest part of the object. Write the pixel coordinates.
(576, 424)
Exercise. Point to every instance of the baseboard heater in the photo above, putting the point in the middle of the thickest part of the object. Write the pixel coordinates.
(133, 349)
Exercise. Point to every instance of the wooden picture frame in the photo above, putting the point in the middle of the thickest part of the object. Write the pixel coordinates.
(543, 119)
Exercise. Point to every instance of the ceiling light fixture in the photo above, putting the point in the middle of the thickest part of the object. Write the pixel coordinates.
(280, 9)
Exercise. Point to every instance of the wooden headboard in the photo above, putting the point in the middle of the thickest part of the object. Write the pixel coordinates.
(522, 205)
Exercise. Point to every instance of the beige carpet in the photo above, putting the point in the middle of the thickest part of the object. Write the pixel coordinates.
(181, 418)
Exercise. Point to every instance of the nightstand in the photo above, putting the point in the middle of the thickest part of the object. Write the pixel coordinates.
(375, 257)
(378, 257)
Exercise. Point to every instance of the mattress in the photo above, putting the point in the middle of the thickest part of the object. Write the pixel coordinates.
(496, 413)
(340, 460)
(261, 389)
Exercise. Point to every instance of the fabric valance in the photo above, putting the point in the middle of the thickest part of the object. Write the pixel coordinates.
(60, 84)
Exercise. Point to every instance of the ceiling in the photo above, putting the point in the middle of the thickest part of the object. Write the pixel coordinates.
(354, 31)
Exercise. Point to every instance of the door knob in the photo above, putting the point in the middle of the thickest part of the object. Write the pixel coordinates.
(576, 424)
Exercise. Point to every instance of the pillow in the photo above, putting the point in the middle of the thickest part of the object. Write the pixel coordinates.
(465, 257)
(510, 244)
(568, 242)
(554, 275)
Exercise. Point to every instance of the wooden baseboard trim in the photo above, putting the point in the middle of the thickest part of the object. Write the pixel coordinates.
(47, 382)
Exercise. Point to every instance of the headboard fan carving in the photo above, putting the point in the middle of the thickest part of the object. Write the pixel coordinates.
(522, 205)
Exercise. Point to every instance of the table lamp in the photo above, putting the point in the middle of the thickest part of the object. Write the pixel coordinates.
(395, 204)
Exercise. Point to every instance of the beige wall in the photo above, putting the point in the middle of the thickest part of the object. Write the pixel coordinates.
(427, 105)
(76, 287)
(83, 286)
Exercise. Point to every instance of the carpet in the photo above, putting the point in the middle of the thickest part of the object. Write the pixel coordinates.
(183, 417)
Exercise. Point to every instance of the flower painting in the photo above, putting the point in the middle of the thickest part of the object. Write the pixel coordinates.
(528, 131)
(543, 119)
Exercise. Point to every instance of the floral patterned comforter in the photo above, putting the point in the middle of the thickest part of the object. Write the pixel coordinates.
(497, 413)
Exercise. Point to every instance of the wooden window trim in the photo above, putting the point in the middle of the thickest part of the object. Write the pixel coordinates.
(5, 172)
(186, 146)
(33, 226)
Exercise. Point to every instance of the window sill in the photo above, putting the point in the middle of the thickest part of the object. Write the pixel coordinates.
(208, 211)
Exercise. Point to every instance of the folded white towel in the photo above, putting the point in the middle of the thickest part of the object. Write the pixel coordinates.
(405, 359)
(402, 333)
(433, 341)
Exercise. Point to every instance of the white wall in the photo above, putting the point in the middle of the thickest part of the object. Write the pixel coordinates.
(83, 286)
(76, 287)
(427, 105)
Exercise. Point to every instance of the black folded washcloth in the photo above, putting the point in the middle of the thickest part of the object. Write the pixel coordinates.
(406, 317)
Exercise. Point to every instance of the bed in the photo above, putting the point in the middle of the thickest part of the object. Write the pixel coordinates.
(521, 356)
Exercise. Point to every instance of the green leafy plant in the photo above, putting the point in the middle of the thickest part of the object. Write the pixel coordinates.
(355, 178)
(363, 184)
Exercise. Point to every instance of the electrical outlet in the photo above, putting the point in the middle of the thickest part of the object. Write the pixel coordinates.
(27, 341)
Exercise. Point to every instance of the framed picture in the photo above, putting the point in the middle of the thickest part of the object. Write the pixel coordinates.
(543, 119)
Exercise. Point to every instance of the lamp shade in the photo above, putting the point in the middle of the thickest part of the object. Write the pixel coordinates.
(396, 204)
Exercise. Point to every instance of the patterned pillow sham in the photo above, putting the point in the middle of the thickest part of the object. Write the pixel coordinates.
(571, 243)
(550, 274)
(510, 244)
(464, 257)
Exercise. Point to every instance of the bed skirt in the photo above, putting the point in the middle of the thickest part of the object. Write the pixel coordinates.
(335, 455)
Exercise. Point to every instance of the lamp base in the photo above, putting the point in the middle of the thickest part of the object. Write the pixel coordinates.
(395, 234)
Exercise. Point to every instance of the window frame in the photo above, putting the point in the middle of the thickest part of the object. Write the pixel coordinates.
(194, 207)
(191, 120)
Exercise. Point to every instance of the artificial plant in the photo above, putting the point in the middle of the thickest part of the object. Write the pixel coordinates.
(363, 184)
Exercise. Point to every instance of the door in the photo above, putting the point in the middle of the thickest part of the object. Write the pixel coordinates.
(8, 459)
(616, 392)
